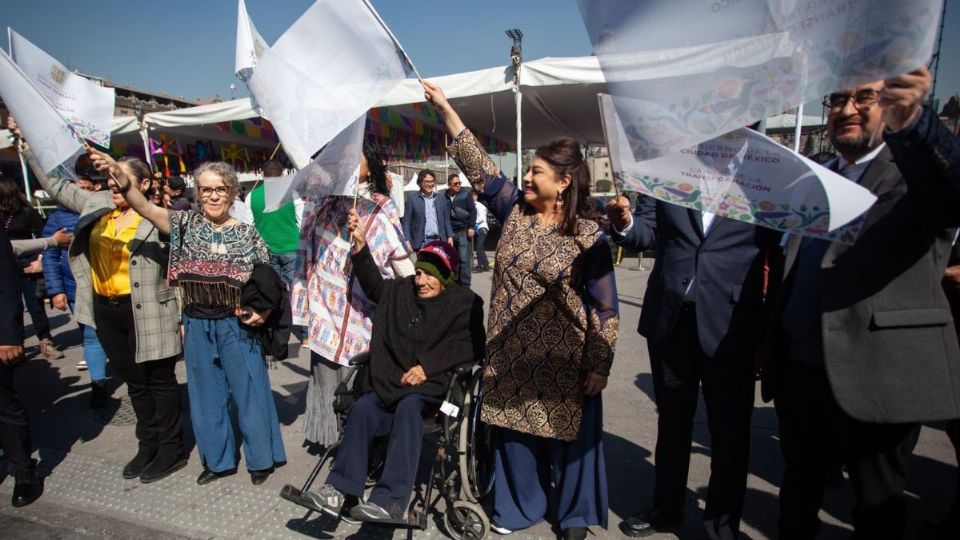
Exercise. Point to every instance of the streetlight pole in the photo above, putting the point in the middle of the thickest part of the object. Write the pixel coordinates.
(516, 60)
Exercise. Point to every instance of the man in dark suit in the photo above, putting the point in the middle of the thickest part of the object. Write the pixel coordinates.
(14, 430)
(701, 311)
(463, 215)
(862, 346)
(426, 215)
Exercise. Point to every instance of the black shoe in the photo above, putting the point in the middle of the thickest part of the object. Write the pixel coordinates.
(162, 467)
(208, 476)
(138, 463)
(651, 521)
(99, 393)
(28, 487)
(259, 477)
(574, 533)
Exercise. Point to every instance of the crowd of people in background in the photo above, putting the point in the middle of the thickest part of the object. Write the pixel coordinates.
(853, 343)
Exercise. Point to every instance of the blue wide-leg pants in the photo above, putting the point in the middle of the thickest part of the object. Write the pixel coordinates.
(575, 486)
(224, 362)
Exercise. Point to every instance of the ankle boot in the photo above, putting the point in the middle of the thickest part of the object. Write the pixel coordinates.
(99, 393)
(49, 351)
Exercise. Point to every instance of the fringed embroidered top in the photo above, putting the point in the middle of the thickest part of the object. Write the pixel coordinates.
(210, 264)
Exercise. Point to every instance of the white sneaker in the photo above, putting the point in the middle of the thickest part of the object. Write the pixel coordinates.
(502, 531)
(82, 365)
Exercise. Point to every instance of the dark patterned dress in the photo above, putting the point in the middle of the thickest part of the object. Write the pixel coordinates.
(553, 312)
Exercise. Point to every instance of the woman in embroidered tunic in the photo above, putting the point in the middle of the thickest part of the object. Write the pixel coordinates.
(551, 333)
(328, 299)
(212, 257)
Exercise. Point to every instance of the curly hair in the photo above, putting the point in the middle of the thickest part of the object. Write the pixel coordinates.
(378, 170)
(225, 171)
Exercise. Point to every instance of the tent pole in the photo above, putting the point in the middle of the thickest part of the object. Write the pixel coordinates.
(518, 96)
(145, 136)
(796, 130)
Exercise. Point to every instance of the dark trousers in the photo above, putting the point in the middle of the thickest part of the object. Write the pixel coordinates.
(479, 245)
(465, 251)
(814, 434)
(41, 325)
(369, 418)
(152, 386)
(14, 431)
(680, 368)
(534, 476)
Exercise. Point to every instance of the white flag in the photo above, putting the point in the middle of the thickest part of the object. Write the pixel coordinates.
(86, 106)
(249, 43)
(746, 176)
(50, 138)
(335, 171)
(327, 70)
(685, 71)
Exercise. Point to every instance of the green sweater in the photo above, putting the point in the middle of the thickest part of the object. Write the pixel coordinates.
(278, 228)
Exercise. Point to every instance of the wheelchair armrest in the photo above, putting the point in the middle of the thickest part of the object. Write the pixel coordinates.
(464, 369)
(359, 360)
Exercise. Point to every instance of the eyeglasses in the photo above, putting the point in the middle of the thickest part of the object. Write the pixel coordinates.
(454, 184)
(861, 100)
(206, 191)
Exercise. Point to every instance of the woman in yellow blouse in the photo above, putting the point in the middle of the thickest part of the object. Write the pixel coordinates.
(119, 262)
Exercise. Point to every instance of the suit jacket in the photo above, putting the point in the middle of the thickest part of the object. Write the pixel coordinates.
(889, 346)
(727, 263)
(414, 218)
(156, 309)
(463, 201)
(11, 303)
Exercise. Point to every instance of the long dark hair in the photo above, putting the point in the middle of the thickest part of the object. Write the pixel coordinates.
(378, 170)
(565, 157)
(12, 200)
(139, 167)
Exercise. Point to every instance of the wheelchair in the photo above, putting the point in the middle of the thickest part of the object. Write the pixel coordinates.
(461, 466)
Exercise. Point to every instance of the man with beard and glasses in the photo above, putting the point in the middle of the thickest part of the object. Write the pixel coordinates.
(862, 349)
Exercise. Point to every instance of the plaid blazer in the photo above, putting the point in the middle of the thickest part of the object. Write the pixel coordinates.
(156, 309)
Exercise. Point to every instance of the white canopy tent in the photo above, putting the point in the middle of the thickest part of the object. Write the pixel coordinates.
(559, 100)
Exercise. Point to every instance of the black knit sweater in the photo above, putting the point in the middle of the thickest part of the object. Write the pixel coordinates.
(439, 333)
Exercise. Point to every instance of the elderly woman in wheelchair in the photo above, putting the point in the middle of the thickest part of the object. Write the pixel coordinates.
(425, 326)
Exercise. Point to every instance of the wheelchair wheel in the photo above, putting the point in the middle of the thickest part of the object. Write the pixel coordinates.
(466, 521)
(475, 445)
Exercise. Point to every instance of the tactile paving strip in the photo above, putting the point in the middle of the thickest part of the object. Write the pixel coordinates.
(228, 508)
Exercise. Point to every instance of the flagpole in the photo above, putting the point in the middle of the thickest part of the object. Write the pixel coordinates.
(394, 38)
(796, 130)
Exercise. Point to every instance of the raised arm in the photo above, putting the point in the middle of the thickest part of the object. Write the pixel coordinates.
(637, 232)
(61, 189)
(364, 267)
(924, 149)
(157, 215)
(493, 187)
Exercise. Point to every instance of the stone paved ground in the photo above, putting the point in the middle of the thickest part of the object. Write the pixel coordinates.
(82, 452)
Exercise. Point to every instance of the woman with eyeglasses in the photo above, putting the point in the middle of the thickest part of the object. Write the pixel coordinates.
(214, 261)
(119, 262)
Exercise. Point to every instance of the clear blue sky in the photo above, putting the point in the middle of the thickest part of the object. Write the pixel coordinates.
(187, 47)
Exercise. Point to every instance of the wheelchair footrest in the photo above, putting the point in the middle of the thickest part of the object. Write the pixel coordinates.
(294, 495)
